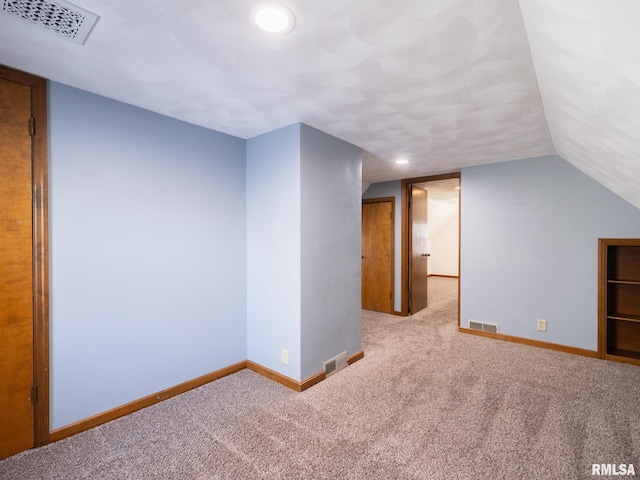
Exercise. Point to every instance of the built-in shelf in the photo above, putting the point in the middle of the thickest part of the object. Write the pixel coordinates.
(625, 282)
(619, 300)
(625, 354)
(624, 318)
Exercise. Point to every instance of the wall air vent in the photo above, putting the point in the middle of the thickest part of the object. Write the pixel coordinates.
(485, 327)
(335, 364)
(59, 17)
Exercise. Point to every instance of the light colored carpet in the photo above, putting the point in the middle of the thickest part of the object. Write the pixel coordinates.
(426, 402)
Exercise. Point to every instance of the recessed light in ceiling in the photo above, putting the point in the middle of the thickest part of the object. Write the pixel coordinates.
(273, 17)
(402, 162)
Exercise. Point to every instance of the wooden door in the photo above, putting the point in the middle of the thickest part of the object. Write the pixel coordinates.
(22, 271)
(377, 254)
(16, 281)
(418, 274)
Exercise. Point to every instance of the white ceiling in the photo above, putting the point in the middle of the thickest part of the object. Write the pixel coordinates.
(445, 191)
(442, 83)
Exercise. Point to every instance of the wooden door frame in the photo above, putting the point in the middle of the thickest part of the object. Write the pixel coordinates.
(391, 200)
(40, 249)
(406, 256)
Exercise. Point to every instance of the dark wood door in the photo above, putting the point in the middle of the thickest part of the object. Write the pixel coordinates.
(377, 254)
(16, 271)
(418, 274)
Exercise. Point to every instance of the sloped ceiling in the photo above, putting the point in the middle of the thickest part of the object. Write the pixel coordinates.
(587, 57)
(442, 83)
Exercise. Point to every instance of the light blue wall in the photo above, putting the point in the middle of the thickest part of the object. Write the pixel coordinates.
(148, 264)
(303, 249)
(273, 249)
(331, 179)
(392, 189)
(529, 247)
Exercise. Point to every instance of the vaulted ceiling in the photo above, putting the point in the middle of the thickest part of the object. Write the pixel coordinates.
(442, 83)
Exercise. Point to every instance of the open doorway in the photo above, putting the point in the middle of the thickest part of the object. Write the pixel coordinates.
(440, 251)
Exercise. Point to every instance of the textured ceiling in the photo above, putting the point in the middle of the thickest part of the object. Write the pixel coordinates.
(587, 58)
(442, 83)
(445, 191)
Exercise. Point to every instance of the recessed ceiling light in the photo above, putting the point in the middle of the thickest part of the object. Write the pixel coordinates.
(273, 17)
(402, 162)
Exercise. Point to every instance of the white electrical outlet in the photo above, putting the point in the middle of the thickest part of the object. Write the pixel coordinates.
(285, 356)
(542, 325)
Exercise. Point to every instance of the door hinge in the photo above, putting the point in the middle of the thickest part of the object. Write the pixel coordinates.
(32, 126)
(34, 394)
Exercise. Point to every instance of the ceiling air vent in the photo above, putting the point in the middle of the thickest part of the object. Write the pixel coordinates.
(59, 17)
